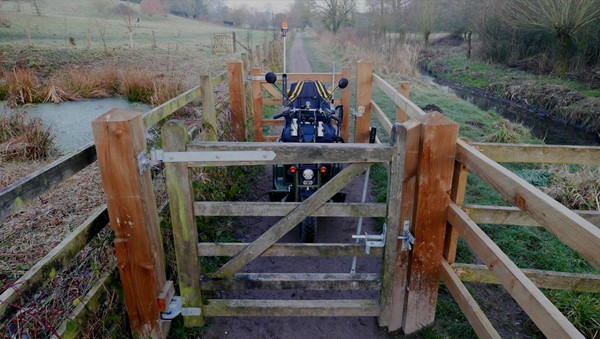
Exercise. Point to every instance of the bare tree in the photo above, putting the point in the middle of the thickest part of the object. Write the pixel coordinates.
(126, 13)
(37, 6)
(561, 17)
(335, 13)
(427, 15)
(102, 30)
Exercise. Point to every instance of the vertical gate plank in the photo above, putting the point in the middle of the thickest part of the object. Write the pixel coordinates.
(409, 189)
(237, 99)
(185, 233)
(208, 109)
(119, 137)
(393, 223)
(283, 226)
(438, 145)
(257, 108)
(346, 73)
(459, 187)
(364, 90)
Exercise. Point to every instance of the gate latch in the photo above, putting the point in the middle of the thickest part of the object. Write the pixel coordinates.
(175, 308)
(407, 238)
(375, 240)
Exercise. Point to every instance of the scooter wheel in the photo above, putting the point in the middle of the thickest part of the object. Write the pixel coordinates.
(308, 230)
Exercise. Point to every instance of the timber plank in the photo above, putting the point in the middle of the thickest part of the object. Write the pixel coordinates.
(409, 191)
(436, 164)
(56, 259)
(457, 194)
(572, 229)
(508, 215)
(411, 109)
(288, 222)
(542, 279)
(543, 313)
(20, 193)
(159, 113)
(257, 103)
(293, 153)
(292, 281)
(547, 154)
(119, 135)
(279, 209)
(393, 222)
(237, 99)
(209, 112)
(380, 115)
(291, 308)
(185, 232)
(290, 250)
(478, 320)
(364, 91)
(345, 102)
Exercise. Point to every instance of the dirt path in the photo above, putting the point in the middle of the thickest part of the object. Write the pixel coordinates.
(298, 60)
(330, 230)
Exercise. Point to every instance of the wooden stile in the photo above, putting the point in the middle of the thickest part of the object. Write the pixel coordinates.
(120, 136)
(185, 233)
(438, 148)
(405, 91)
(238, 100)
(364, 90)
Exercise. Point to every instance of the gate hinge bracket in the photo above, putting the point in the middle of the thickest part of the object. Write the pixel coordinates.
(175, 308)
(407, 238)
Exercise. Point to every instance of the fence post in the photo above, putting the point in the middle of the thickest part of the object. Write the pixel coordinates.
(208, 109)
(120, 137)
(237, 99)
(364, 90)
(405, 91)
(257, 105)
(409, 189)
(393, 223)
(234, 42)
(185, 233)
(459, 187)
(346, 73)
(258, 57)
(246, 63)
(436, 163)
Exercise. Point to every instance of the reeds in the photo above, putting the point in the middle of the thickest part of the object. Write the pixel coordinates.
(579, 190)
(506, 132)
(22, 86)
(24, 138)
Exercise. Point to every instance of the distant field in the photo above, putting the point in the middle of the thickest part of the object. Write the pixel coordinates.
(62, 19)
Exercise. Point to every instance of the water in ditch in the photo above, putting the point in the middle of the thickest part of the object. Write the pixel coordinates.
(71, 122)
(552, 131)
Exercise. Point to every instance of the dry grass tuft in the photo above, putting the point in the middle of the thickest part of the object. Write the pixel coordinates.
(579, 190)
(24, 138)
(506, 132)
(23, 87)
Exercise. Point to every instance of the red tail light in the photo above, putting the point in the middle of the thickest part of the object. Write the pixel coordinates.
(293, 169)
(323, 169)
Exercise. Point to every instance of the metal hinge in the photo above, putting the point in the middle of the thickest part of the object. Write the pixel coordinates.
(407, 238)
(175, 308)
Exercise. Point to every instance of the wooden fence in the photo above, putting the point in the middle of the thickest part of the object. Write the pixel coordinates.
(18, 195)
(577, 229)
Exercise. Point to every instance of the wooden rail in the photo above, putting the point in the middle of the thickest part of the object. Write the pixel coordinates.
(578, 229)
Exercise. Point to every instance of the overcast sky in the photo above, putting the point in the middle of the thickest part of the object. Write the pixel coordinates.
(277, 5)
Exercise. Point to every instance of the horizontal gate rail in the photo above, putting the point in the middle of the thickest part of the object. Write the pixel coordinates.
(291, 308)
(279, 209)
(509, 215)
(291, 250)
(293, 153)
(290, 281)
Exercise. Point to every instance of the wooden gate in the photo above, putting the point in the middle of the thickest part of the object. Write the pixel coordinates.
(180, 155)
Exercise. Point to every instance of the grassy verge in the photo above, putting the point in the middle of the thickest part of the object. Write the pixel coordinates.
(531, 247)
